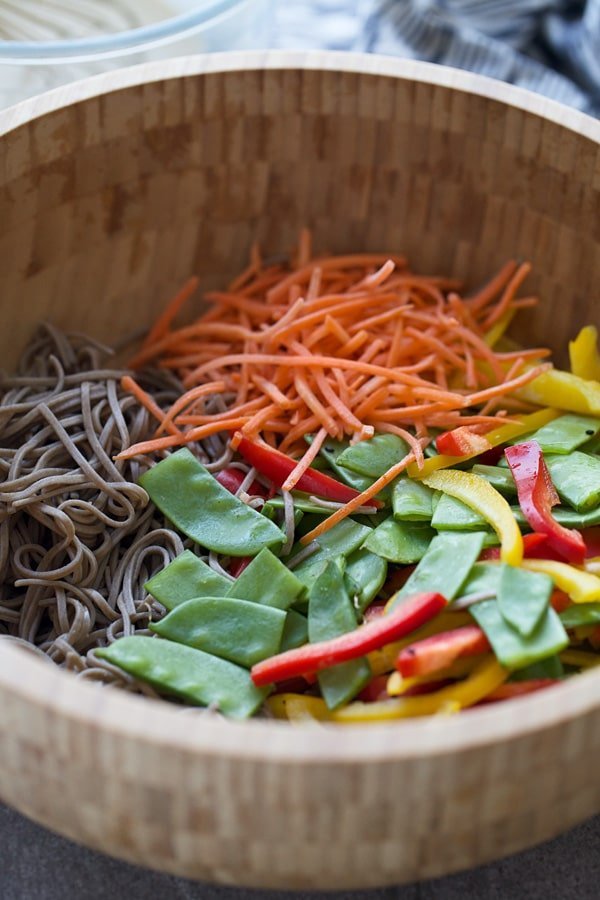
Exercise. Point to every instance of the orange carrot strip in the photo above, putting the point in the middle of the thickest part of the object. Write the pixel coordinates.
(361, 500)
(493, 287)
(508, 294)
(144, 399)
(315, 405)
(356, 260)
(296, 474)
(164, 321)
(211, 387)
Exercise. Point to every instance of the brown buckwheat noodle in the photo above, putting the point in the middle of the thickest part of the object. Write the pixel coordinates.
(78, 535)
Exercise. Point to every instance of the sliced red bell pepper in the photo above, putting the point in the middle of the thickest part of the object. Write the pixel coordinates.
(407, 617)
(559, 601)
(462, 442)
(437, 652)
(375, 690)
(276, 466)
(537, 496)
(238, 565)
(535, 546)
(518, 689)
(231, 478)
(591, 539)
(375, 610)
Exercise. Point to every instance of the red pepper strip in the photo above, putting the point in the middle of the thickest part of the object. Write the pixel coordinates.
(591, 537)
(491, 457)
(518, 689)
(407, 617)
(535, 546)
(231, 478)
(440, 650)
(375, 690)
(559, 601)
(462, 442)
(537, 496)
(594, 638)
(277, 466)
(375, 610)
(238, 565)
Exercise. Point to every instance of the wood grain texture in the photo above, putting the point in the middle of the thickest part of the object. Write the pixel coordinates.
(114, 190)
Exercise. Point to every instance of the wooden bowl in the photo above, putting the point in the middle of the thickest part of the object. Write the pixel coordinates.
(113, 191)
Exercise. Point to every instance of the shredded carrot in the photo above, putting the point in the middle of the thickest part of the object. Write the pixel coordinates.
(144, 399)
(166, 318)
(346, 346)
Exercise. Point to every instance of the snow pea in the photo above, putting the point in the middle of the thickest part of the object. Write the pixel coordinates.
(453, 515)
(576, 477)
(570, 518)
(375, 456)
(295, 630)
(185, 578)
(267, 581)
(238, 630)
(512, 649)
(523, 598)
(412, 501)
(188, 495)
(445, 567)
(581, 614)
(400, 542)
(567, 433)
(365, 576)
(301, 503)
(484, 578)
(339, 542)
(330, 451)
(330, 613)
(192, 675)
(498, 477)
(551, 667)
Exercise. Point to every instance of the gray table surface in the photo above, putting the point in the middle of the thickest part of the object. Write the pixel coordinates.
(38, 865)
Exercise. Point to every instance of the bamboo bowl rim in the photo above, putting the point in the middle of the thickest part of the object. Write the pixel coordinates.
(57, 692)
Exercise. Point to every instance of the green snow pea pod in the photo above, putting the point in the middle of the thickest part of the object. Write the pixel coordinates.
(581, 614)
(365, 576)
(512, 649)
(192, 675)
(185, 578)
(499, 478)
(295, 631)
(576, 477)
(453, 515)
(445, 567)
(523, 598)
(331, 451)
(238, 630)
(551, 667)
(567, 433)
(400, 542)
(412, 501)
(266, 580)
(330, 613)
(570, 518)
(203, 509)
(338, 543)
(301, 502)
(374, 456)
(484, 578)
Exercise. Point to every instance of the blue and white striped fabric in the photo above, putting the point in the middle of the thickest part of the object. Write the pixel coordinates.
(549, 46)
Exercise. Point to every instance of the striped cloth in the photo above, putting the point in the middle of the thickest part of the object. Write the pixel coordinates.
(549, 46)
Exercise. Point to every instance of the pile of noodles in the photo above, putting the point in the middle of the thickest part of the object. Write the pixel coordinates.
(78, 536)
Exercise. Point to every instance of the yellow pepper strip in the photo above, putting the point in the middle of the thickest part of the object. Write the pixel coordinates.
(384, 660)
(492, 336)
(480, 496)
(563, 390)
(298, 707)
(584, 354)
(485, 678)
(497, 436)
(580, 658)
(397, 685)
(581, 586)
(593, 565)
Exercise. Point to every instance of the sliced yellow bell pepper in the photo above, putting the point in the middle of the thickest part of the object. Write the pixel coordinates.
(397, 685)
(581, 586)
(496, 437)
(384, 660)
(487, 676)
(584, 354)
(496, 332)
(564, 391)
(298, 707)
(580, 658)
(479, 495)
